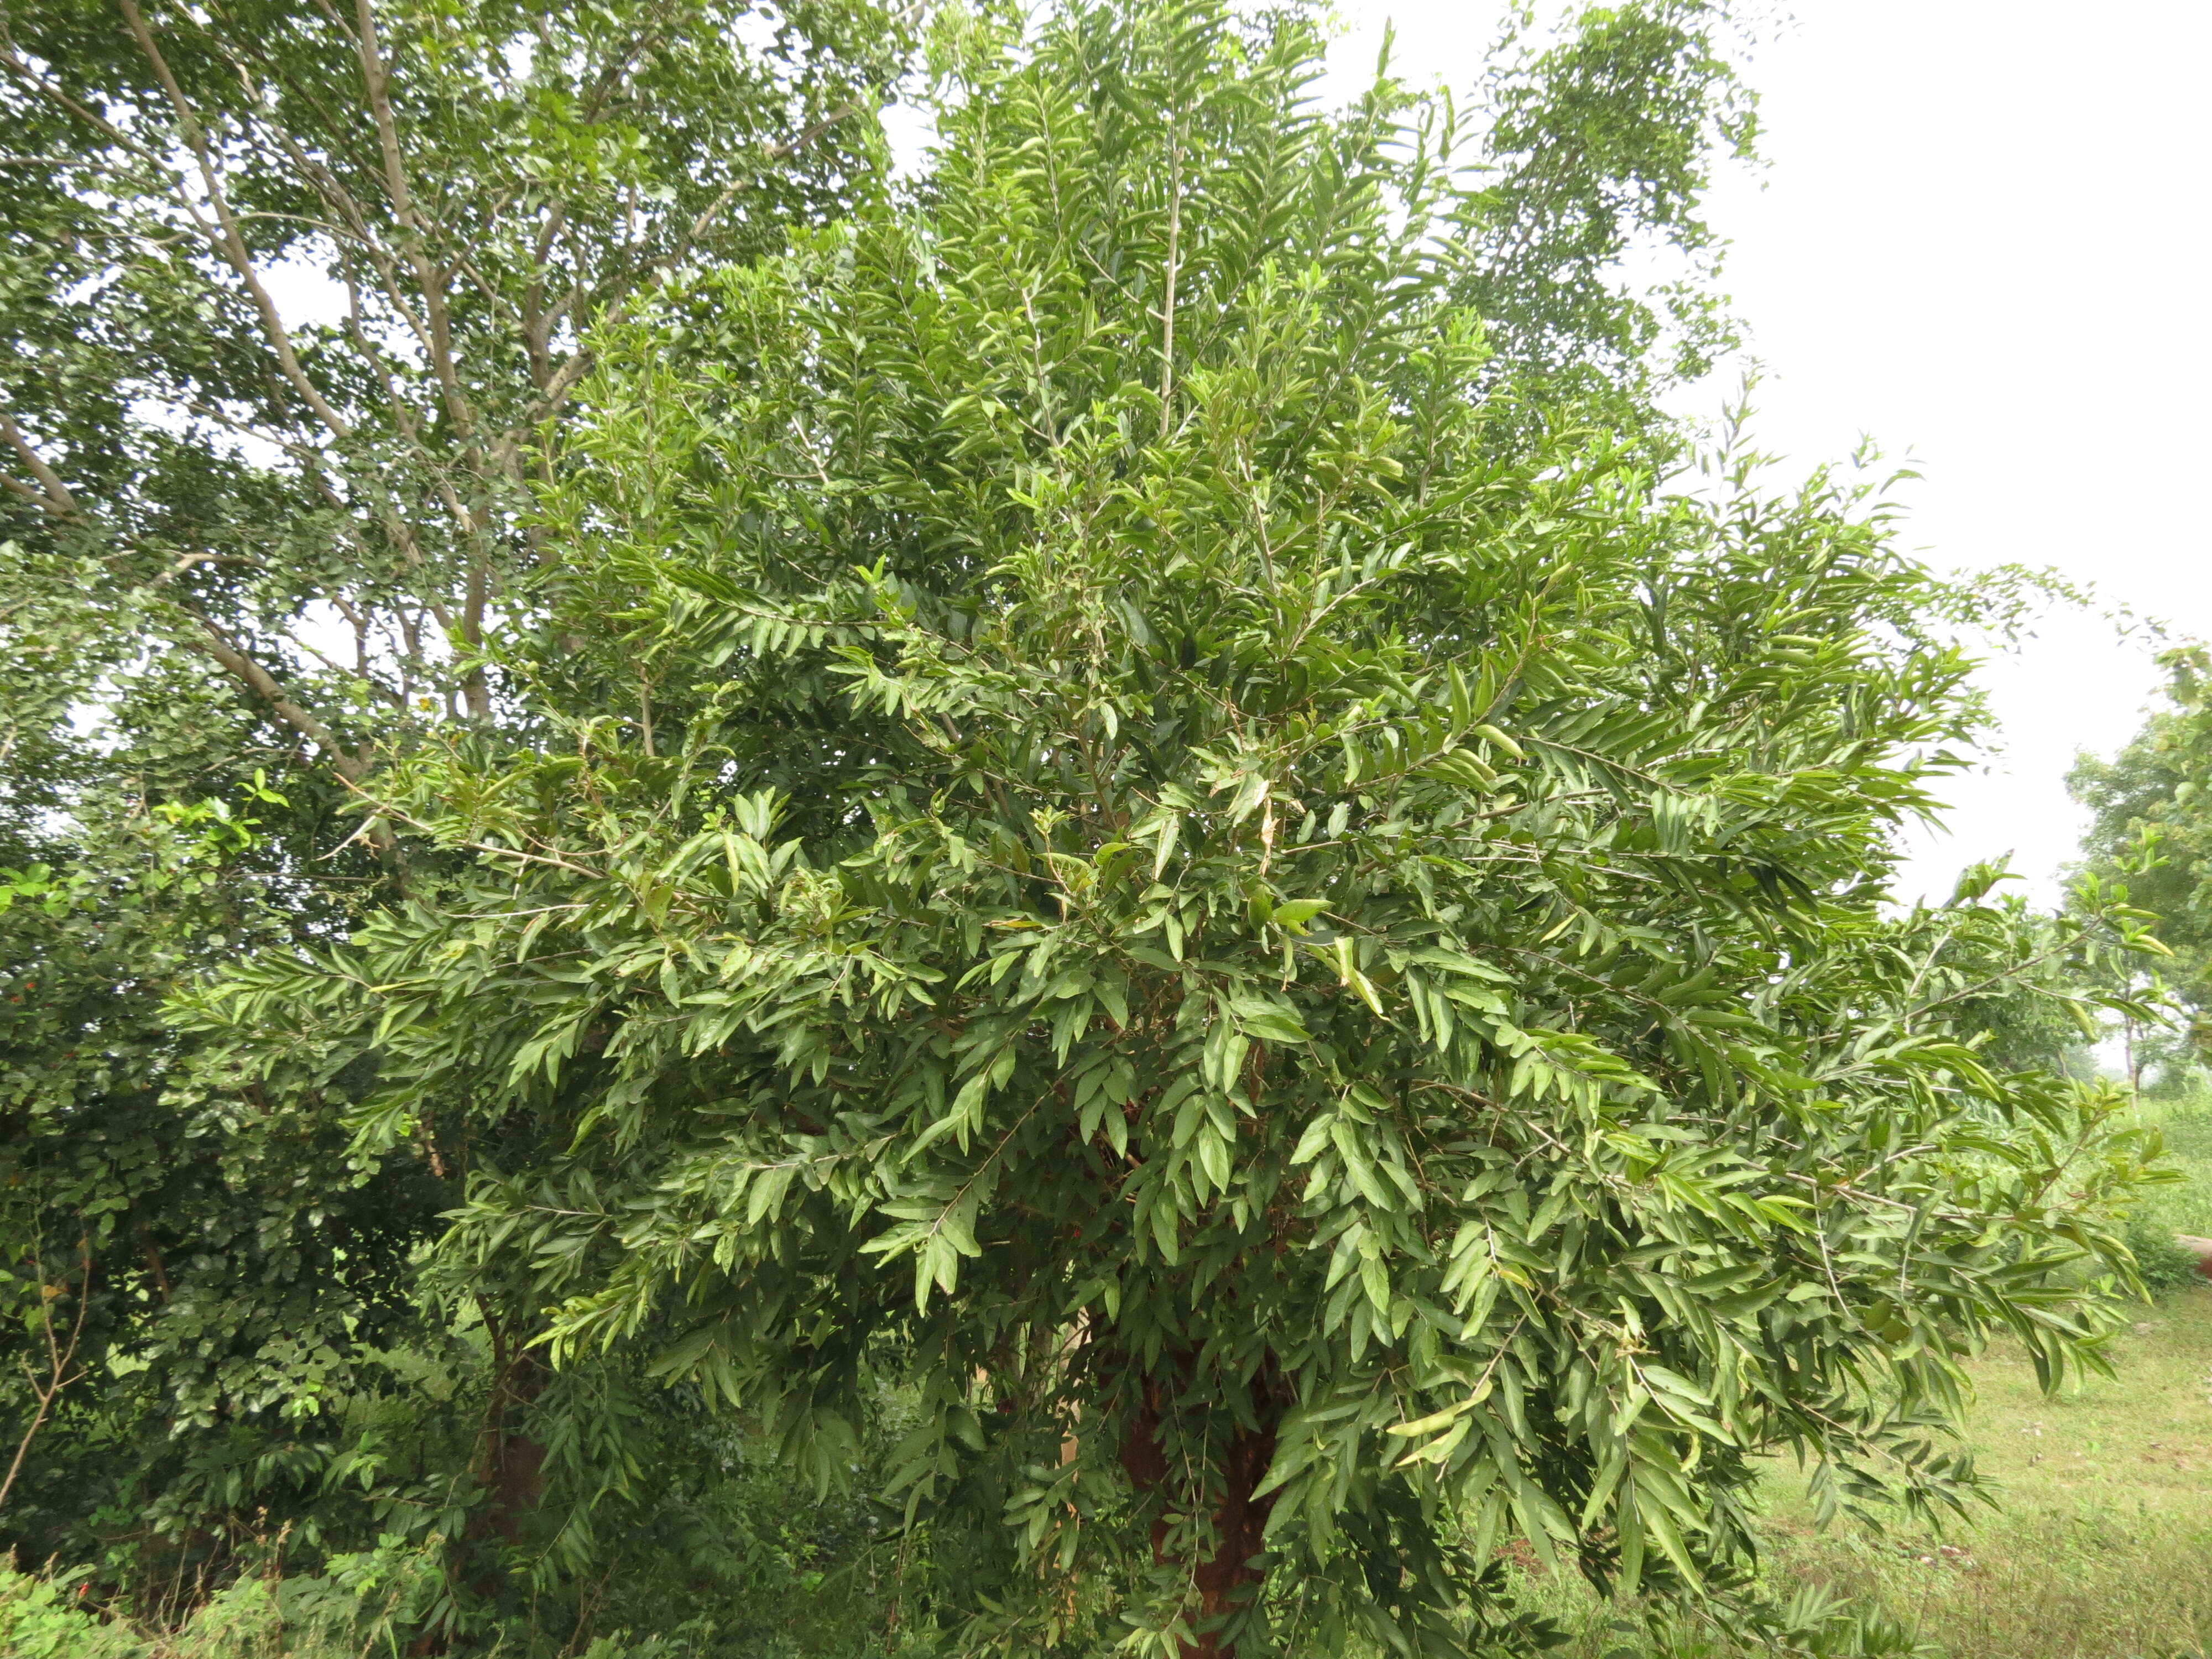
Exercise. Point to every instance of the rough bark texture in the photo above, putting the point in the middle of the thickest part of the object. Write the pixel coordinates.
(512, 1462)
(1227, 1578)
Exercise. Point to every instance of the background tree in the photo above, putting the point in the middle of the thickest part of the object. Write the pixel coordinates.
(1598, 149)
(1296, 956)
(2150, 839)
(296, 292)
(296, 297)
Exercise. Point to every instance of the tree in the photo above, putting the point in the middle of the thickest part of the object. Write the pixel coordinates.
(221, 1274)
(461, 194)
(2149, 840)
(296, 297)
(1118, 841)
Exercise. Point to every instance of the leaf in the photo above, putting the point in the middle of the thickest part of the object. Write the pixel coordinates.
(1266, 1019)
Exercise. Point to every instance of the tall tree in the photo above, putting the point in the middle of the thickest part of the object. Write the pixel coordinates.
(2150, 836)
(297, 291)
(1119, 839)
(296, 299)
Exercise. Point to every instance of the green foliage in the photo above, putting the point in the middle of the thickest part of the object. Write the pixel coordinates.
(1599, 147)
(312, 488)
(293, 300)
(209, 1253)
(54, 1616)
(2184, 1126)
(37, 1621)
(1297, 960)
(2150, 841)
(1097, 841)
(2161, 1261)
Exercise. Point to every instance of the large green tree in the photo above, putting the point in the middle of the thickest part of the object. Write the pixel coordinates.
(295, 294)
(1123, 834)
(2150, 838)
(298, 302)
(294, 298)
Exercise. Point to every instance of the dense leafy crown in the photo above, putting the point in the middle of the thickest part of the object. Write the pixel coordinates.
(1297, 951)
(291, 298)
(292, 294)
(2150, 839)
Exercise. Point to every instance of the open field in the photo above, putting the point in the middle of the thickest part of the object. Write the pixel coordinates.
(2103, 1548)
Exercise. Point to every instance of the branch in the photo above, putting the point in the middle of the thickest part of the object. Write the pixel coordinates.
(14, 61)
(216, 644)
(59, 1359)
(57, 498)
(440, 343)
(579, 360)
(386, 809)
(232, 243)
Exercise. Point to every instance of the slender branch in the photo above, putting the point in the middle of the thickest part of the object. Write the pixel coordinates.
(1174, 270)
(386, 809)
(232, 243)
(14, 61)
(395, 698)
(426, 276)
(59, 1359)
(57, 498)
(580, 362)
(218, 645)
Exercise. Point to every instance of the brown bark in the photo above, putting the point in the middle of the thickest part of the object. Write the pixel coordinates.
(1226, 1579)
(512, 1461)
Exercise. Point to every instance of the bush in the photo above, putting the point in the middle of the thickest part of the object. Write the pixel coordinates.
(53, 1616)
(40, 1618)
(2159, 1257)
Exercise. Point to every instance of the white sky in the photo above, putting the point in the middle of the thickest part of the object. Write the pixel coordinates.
(1979, 239)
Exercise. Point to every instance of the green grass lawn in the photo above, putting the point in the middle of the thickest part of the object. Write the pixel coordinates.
(2187, 1125)
(2102, 1548)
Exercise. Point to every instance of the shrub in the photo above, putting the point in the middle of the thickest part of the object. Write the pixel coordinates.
(2159, 1257)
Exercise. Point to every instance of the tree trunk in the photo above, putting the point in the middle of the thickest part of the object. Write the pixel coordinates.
(512, 1462)
(1227, 1578)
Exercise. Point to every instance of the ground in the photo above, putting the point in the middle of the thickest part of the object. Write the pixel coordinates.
(2102, 1548)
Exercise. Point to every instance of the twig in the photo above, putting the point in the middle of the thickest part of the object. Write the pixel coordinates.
(58, 1361)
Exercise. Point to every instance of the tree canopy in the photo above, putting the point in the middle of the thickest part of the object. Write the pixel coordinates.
(294, 298)
(1128, 814)
(2148, 841)
(1308, 975)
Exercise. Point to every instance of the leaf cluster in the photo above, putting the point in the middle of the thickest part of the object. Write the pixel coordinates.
(1117, 841)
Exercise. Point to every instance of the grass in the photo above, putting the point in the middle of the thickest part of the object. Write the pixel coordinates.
(2187, 1125)
(2103, 1547)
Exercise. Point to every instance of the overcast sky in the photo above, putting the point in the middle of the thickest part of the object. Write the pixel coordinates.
(1977, 237)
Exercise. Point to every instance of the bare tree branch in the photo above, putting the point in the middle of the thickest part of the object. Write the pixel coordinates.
(218, 644)
(59, 1358)
(57, 497)
(427, 277)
